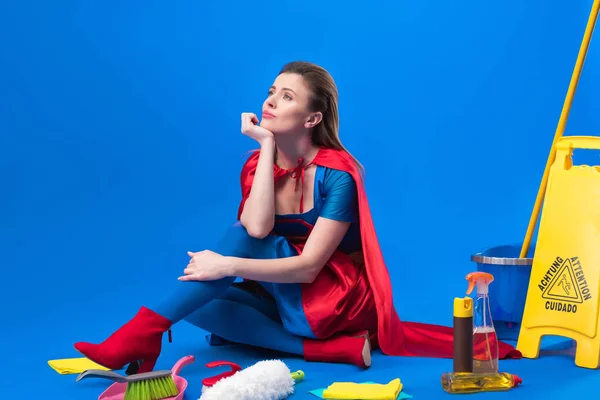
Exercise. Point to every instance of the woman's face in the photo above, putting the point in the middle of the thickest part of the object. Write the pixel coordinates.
(286, 108)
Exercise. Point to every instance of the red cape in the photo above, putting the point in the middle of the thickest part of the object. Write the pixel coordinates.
(392, 336)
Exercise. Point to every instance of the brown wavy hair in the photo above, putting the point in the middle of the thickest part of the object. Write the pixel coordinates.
(324, 99)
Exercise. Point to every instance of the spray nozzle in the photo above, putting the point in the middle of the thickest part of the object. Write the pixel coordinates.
(481, 279)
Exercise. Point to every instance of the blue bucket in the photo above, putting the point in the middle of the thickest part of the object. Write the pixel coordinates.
(508, 292)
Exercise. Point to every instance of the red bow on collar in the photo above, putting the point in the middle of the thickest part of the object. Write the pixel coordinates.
(296, 173)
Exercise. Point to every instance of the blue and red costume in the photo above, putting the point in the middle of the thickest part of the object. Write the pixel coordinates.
(351, 290)
(322, 320)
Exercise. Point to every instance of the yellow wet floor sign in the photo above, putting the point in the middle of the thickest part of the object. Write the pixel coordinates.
(563, 294)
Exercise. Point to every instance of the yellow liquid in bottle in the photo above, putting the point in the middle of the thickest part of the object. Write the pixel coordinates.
(465, 382)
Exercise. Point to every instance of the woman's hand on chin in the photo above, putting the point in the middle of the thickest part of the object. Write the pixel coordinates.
(252, 129)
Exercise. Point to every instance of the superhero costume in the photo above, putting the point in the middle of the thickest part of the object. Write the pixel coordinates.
(340, 299)
(350, 295)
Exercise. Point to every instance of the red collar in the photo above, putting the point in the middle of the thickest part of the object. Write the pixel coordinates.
(295, 173)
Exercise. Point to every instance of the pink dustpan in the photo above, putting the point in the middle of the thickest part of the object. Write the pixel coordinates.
(116, 391)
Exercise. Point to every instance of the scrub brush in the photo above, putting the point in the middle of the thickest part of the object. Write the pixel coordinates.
(154, 385)
(265, 380)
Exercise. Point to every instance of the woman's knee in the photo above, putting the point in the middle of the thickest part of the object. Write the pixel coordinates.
(238, 232)
(236, 241)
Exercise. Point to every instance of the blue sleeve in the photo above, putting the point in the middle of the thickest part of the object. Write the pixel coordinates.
(341, 199)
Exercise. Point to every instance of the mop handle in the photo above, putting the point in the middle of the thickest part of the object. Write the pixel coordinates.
(585, 44)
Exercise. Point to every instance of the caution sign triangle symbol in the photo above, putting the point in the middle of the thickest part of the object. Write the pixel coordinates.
(563, 286)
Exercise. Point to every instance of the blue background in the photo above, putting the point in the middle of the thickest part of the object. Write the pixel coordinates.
(120, 149)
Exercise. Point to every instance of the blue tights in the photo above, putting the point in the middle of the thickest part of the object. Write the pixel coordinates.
(230, 312)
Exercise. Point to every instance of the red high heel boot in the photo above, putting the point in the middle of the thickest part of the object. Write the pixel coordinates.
(340, 349)
(140, 339)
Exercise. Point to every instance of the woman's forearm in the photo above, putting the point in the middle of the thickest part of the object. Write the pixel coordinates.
(258, 215)
(295, 269)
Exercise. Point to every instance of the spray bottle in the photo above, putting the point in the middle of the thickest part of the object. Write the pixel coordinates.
(485, 341)
(475, 345)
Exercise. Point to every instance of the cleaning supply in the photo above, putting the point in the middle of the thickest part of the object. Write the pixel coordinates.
(463, 335)
(566, 257)
(145, 386)
(485, 341)
(117, 390)
(319, 392)
(562, 297)
(66, 366)
(562, 123)
(362, 391)
(212, 380)
(265, 380)
(466, 382)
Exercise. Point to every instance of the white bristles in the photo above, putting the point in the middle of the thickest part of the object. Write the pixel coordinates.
(265, 380)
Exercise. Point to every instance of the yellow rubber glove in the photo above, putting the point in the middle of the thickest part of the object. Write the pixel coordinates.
(74, 365)
(363, 391)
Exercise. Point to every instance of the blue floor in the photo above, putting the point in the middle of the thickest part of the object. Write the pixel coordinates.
(554, 375)
(120, 150)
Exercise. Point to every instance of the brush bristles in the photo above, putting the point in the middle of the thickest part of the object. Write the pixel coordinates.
(151, 389)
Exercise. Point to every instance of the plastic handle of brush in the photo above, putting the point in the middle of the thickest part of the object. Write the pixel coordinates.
(182, 363)
(145, 376)
(98, 373)
(298, 375)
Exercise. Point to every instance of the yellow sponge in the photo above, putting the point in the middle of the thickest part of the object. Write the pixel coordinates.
(74, 365)
(363, 391)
